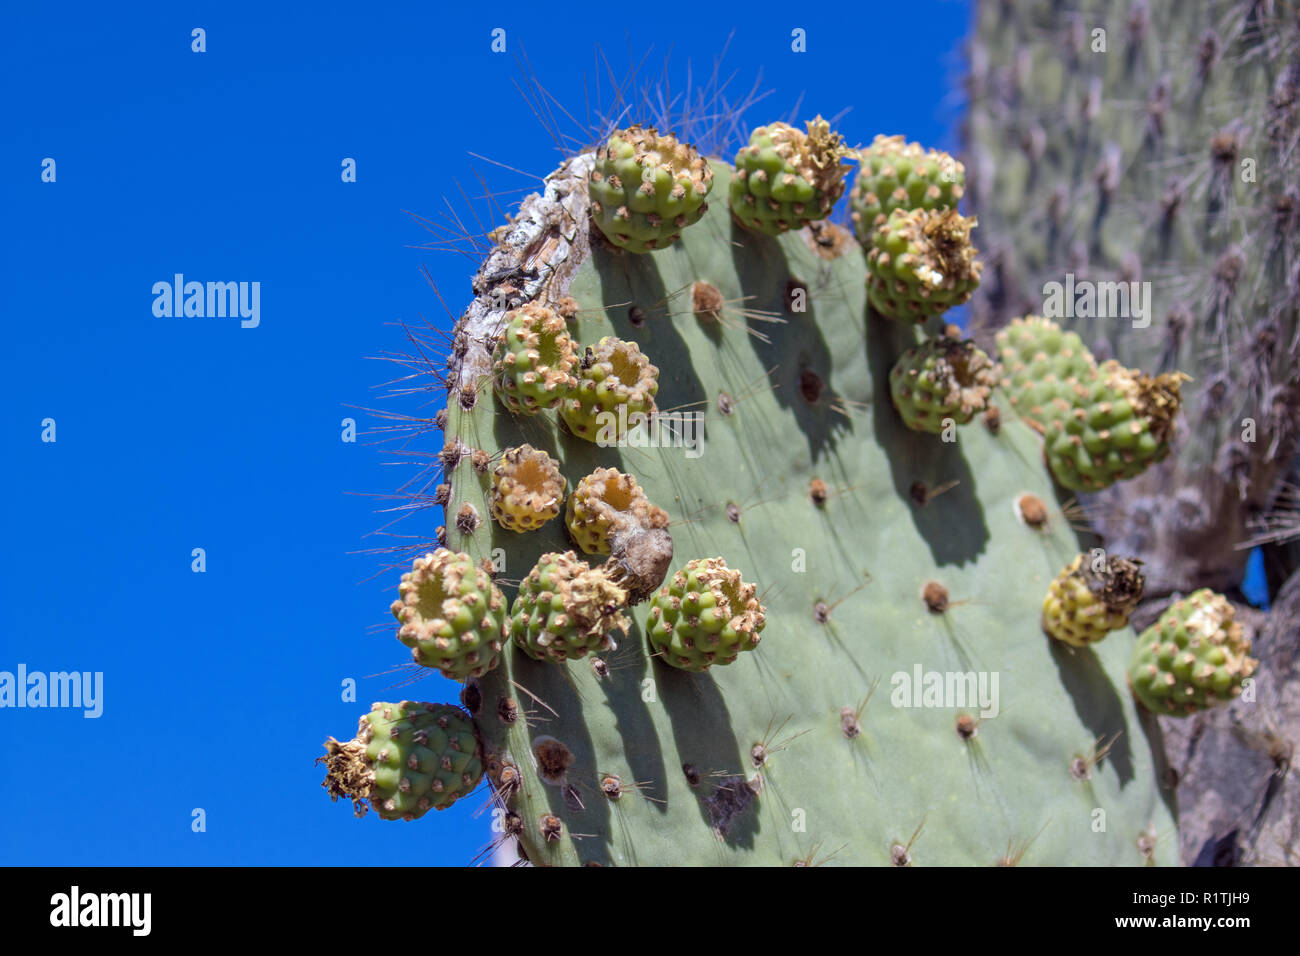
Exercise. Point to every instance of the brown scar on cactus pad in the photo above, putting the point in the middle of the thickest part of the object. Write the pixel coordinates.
(967, 726)
(1030, 510)
(730, 799)
(935, 596)
(553, 759)
(527, 489)
(707, 302)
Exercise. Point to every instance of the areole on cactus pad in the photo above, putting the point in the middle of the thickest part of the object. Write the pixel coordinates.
(863, 548)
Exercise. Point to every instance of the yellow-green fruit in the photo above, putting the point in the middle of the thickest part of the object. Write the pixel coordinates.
(706, 615)
(1091, 597)
(646, 188)
(407, 758)
(786, 178)
(921, 264)
(451, 615)
(605, 501)
(534, 360)
(1194, 657)
(566, 609)
(615, 392)
(527, 489)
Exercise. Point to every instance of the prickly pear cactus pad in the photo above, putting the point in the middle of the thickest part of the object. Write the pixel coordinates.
(903, 707)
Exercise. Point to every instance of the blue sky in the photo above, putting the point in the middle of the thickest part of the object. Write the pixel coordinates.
(177, 433)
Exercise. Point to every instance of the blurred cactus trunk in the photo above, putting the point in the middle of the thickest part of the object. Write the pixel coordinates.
(1120, 141)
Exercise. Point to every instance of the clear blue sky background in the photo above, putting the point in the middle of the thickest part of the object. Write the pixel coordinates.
(178, 433)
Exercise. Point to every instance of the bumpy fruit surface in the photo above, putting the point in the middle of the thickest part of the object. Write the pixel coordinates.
(1088, 599)
(1194, 657)
(615, 390)
(451, 615)
(895, 174)
(607, 500)
(943, 378)
(786, 178)
(527, 489)
(1120, 422)
(535, 360)
(922, 264)
(566, 609)
(646, 188)
(706, 615)
(407, 758)
(1042, 364)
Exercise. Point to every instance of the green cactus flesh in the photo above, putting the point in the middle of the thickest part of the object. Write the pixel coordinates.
(878, 553)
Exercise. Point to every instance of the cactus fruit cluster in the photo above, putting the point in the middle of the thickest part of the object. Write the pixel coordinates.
(1147, 150)
(816, 499)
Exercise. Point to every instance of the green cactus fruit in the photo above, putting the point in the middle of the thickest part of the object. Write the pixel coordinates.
(535, 360)
(786, 178)
(451, 615)
(1119, 424)
(705, 616)
(527, 489)
(1042, 363)
(615, 392)
(921, 264)
(606, 501)
(1193, 657)
(646, 188)
(943, 379)
(408, 758)
(566, 609)
(895, 174)
(1091, 597)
